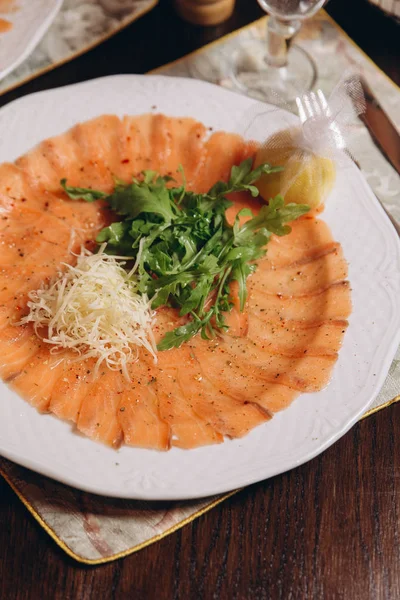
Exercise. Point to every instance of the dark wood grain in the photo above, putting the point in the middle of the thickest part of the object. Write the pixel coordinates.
(327, 530)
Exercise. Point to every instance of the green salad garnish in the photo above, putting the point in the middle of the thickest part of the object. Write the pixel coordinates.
(188, 253)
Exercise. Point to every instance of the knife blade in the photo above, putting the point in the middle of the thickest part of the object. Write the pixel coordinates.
(382, 130)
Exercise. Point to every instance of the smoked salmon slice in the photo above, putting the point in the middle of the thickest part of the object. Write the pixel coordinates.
(285, 342)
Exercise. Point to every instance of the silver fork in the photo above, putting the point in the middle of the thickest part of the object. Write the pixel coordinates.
(314, 104)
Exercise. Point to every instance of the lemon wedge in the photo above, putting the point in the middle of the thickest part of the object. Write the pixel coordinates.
(306, 178)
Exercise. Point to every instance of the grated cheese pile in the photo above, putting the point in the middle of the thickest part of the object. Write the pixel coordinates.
(94, 309)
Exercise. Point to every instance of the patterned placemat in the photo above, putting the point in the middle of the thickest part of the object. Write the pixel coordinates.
(79, 26)
(95, 530)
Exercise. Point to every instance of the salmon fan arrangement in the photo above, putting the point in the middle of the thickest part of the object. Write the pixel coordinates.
(284, 342)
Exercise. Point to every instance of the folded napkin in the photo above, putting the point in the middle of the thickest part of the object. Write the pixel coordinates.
(93, 529)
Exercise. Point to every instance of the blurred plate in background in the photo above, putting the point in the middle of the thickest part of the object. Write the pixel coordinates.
(24, 24)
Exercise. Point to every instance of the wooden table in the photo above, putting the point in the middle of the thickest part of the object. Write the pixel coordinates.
(329, 529)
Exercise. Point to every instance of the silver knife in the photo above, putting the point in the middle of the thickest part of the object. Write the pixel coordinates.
(384, 135)
(382, 130)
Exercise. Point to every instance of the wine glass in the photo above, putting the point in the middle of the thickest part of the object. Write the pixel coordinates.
(274, 70)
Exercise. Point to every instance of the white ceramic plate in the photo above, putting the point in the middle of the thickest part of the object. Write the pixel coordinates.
(314, 421)
(30, 21)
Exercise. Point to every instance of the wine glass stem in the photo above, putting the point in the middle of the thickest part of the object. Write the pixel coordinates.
(279, 37)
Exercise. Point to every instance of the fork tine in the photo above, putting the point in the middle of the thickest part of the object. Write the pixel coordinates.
(308, 105)
(340, 141)
(315, 105)
(324, 104)
(301, 109)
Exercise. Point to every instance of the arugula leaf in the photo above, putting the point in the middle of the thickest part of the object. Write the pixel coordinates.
(264, 169)
(77, 193)
(241, 179)
(188, 254)
(159, 261)
(272, 217)
(114, 233)
(175, 338)
(136, 199)
(239, 173)
(197, 295)
(240, 272)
